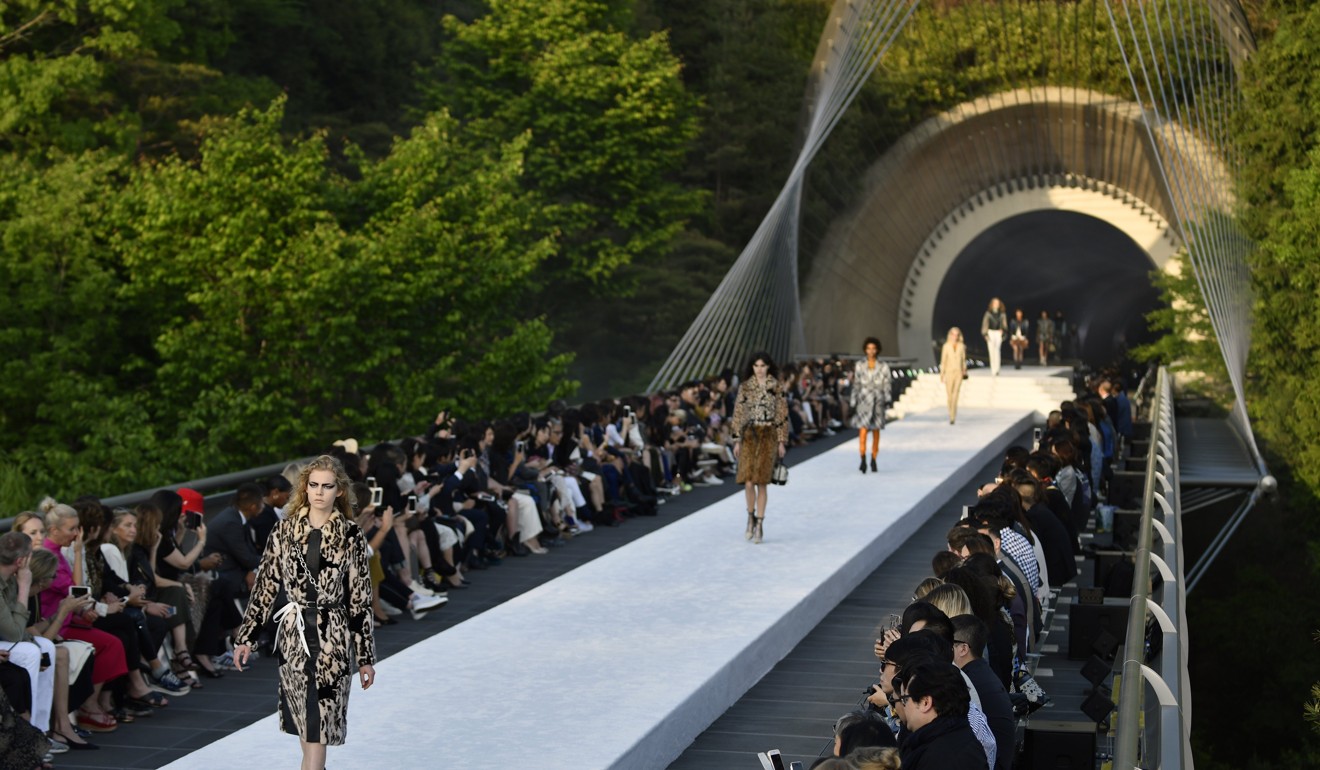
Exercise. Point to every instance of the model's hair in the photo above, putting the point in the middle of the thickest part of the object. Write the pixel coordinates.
(42, 565)
(973, 631)
(760, 355)
(954, 330)
(995, 301)
(943, 561)
(14, 545)
(943, 683)
(872, 341)
(875, 758)
(149, 517)
(343, 503)
(925, 587)
(55, 512)
(951, 599)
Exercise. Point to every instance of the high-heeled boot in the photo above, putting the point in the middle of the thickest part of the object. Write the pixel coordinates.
(873, 470)
(751, 523)
(760, 529)
(862, 466)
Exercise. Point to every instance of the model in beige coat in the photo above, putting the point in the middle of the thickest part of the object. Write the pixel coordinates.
(953, 369)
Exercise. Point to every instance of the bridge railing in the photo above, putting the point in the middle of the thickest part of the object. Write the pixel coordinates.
(1154, 733)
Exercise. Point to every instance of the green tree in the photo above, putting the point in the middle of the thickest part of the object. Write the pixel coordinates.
(278, 327)
(609, 122)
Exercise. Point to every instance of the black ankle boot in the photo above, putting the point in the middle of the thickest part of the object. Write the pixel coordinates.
(862, 466)
(873, 470)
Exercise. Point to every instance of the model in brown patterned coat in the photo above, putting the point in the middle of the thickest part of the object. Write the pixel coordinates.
(319, 555)
(760, 431)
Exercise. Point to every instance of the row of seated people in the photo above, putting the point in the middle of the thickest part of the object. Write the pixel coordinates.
(954, 675)
(160, 585)
(133, 607)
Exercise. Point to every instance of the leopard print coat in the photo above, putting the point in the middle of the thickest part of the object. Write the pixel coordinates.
(341, 594)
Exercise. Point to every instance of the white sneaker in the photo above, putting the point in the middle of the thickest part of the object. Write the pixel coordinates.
(419, 603)
(418, 588)
(390, 610)
(714, 480)
(585, 526)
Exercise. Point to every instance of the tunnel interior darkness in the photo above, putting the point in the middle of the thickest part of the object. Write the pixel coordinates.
(1053, 260)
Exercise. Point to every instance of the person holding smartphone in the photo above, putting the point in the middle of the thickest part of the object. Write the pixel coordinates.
(318, 554)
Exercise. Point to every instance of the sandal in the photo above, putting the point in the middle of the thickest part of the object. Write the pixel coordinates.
(184, 660)
(98, 723)
(152, 699)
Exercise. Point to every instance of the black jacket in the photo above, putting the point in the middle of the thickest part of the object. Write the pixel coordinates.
(998, 710)
(948, 743)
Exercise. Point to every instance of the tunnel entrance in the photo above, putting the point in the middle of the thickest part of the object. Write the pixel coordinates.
(1053, 260)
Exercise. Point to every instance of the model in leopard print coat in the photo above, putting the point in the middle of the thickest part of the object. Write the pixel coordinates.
(325, 632)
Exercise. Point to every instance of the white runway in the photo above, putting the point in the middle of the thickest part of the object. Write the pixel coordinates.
(623, 661)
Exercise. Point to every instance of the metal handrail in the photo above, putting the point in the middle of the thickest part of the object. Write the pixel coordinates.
(1168, 733)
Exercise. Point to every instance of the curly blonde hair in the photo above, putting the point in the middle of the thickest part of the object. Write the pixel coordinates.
(297, 505)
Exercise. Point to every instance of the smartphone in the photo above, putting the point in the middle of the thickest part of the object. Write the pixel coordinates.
(521, 447)
(377, 495)
(79, 590)
(795, 765)
(776, 759)
(412, 502)
(892, 622)
(192, 520)
(172, 611)
(371, 481)
(1035, 435)
(966, 513)
(589, 476)
(628, 411)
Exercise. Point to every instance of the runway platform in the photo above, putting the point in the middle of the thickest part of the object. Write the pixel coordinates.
(625, 660)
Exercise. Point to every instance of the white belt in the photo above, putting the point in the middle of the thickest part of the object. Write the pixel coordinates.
(293, 611)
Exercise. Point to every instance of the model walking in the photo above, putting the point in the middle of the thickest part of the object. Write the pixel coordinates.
(993, 325)
(1019, 328)
(760, 431)
(319, 555)
(872, 389)
(953, 369)
(1045, 336)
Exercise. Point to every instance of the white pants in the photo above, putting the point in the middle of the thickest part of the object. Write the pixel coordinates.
(995, 339)
(568, 490)
(529, 521)
(28, 656)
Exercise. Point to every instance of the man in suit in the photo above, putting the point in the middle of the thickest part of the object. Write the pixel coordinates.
(229, 535)
(272, 510)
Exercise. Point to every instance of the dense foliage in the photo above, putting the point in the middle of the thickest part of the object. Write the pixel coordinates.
(199, 283)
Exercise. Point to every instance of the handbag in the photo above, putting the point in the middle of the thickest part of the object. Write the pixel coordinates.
(780, 473)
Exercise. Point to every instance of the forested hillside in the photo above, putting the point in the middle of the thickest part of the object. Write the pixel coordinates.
(233, 230)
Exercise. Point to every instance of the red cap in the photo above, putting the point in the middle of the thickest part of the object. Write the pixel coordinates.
(192, 500)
